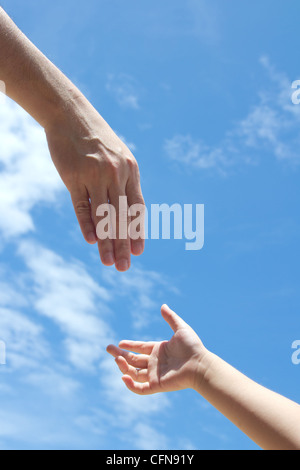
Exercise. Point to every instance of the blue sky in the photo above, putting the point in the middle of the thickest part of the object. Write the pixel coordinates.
(201, 91)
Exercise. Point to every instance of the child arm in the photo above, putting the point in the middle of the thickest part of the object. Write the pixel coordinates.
(270, 420)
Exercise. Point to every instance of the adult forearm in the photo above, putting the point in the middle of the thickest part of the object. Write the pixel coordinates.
(93, 162)
(270, 420)
(30, 78)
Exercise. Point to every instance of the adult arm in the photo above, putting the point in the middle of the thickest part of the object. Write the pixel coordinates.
(95, 165)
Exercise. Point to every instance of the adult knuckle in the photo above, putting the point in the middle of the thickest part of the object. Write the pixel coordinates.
(131, 163)
(93, 167)
(115, 171)
(104, 168)
(134, 170)
(82, 207)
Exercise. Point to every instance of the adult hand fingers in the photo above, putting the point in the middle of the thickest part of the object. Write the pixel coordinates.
(104, 223)
(82, 207)
(122, 249)
(137, 212)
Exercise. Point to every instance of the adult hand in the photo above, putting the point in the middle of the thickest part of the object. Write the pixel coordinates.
(93, 162)
(97, 168)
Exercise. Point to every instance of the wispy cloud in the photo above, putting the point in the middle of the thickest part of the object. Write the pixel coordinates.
(185, 150)
(56, 294)
(205, 20)
(65, 293)
(24, 338)
(132, 411)
(149, 438)
(27, 175)
(196, 19)
(60, 295)
(270, 127)
(124, 89)
(55, 319)
(143, 290)
(135, 419)
(52, 292)
(130, 145)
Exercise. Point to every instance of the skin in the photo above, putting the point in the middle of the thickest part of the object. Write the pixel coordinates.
(94, 164)
(270, 420)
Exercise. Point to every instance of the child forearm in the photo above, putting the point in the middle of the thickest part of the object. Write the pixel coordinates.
(270, 420)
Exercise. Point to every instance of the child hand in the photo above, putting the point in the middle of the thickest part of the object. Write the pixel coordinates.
(162, 366)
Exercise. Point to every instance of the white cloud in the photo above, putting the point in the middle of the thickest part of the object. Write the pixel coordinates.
(65, 293)
(124, 411)
(38, 425)
(205, 22)
(127, 405)
(9, 296)
(149, 438)
(13, 425)
(53, 382)
(124, 89)
(199, 19)
(27, 174)
(55, 318)
(195, 153)
(130, 145)
(76, 309)
(144, 290)
(270, 127)
(25, 344)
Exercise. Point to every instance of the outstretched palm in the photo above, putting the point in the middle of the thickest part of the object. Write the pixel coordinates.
(161, 366)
